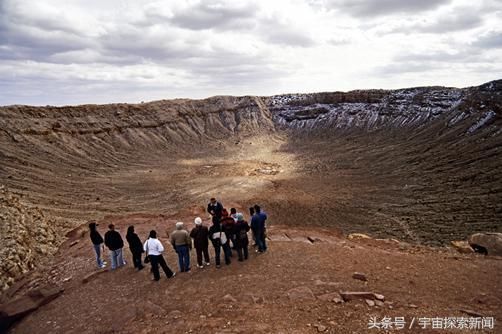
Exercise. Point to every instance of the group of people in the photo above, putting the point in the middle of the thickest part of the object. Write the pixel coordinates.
(229, 231)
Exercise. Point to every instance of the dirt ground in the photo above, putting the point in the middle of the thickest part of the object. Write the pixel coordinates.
(151, 166)
(255, 296)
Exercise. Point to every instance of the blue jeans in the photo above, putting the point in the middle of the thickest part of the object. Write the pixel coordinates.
(97, 249)
(117, 259)
(183, 257)
(260, 241)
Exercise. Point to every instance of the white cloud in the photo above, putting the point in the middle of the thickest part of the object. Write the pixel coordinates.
(93, 51)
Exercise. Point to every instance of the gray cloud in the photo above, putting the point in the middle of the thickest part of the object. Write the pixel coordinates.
(366, 8)
(456, 19)
(214, 15)
(491, 40)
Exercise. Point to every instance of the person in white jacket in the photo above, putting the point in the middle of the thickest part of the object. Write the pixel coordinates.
(154, 249)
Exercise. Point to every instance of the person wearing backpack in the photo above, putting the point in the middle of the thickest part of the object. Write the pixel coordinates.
(97, 243)
(182, 244)
(241, 237)
(136, 248)
(200, 234)
(219, 241)
(154, 249)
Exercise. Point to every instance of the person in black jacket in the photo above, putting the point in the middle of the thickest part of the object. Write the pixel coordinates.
(219, 240)
(97, 242)
(241, 237)
(200, 235)
(114, 242)
(215, 208)
(136, 247)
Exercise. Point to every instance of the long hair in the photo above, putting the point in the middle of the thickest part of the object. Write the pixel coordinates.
(130, 230)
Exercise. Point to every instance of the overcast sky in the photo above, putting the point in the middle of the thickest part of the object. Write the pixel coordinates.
(101, 51)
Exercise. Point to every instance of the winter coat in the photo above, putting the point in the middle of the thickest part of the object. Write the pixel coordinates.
(180, 238)
(216, 229)
(217, 208)
(96, 238)
(241, 233)
(113, 240)
(257, 224)
(200, 235)
(135, 244)
(228, 224)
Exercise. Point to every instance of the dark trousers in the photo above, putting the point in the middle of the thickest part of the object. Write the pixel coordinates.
(226, 251)
(260, 241)
(183, 257)
(201, 251)
(136, 259)
(242, 249)
(157, 260)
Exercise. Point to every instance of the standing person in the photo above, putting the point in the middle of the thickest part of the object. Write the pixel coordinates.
(251, 214)
(215, 208)
(200, 234)
(219, 240)
(263, 223)
(258, 231)
(241, 237)
(233, 213)
(97, 242)
(228, 224)
(114, 242)
(136, 248)
(182, 244)
(154, 249)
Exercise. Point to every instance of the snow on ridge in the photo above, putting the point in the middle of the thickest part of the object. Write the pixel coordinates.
(488, 116)
(400, 108)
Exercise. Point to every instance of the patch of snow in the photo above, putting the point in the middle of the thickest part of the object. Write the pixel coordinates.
(482, 121)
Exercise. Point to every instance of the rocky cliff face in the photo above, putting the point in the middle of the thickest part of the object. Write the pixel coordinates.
(27, 236)
(478, 107)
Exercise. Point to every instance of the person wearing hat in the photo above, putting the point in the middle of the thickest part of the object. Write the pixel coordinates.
(154, 249)
(114, 242)
(97, 242)
(200, 234)
(182, 244)
(241, 237)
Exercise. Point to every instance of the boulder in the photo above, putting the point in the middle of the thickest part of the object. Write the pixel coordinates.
(489, 243)
(462, 247)
(359, 276)
(370, 302)
(301, 292)
(353, 236)
(351, 295)
(20, 307)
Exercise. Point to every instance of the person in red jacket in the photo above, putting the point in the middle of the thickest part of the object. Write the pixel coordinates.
(228, 223)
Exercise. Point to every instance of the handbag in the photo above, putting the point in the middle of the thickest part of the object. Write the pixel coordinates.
(147, 258)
